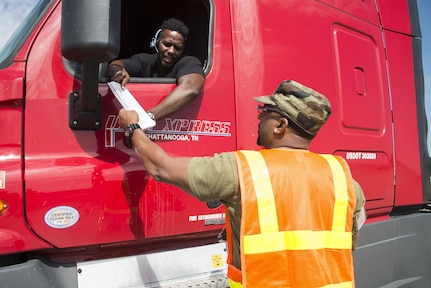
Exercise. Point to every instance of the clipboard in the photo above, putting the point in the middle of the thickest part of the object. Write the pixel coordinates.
(129, 102)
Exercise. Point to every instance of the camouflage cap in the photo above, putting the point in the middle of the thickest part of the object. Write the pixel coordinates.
(306, 108)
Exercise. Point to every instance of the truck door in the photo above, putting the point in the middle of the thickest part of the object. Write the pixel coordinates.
(87, 187)
(364, 121)
(337, 48)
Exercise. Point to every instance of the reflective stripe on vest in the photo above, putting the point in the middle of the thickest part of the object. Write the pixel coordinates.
(233, 284)
(271, 239)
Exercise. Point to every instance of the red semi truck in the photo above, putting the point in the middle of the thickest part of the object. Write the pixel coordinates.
(79, 210)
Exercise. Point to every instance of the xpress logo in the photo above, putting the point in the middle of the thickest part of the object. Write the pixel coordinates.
(173, 130)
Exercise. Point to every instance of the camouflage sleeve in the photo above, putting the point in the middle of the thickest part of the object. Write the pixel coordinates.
(213, 178)
(360, 198)
(359, 215)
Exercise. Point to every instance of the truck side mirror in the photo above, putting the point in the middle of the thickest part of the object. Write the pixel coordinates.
(90, 34)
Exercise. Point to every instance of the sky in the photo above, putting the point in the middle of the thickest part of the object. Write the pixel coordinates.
(11, 11)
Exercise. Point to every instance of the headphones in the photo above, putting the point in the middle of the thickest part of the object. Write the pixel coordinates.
(155, 40)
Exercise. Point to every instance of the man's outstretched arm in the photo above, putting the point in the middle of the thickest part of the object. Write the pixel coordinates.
(164, 168)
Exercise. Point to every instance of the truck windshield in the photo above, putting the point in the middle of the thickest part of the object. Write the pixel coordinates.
(424, 6)
(18, 20)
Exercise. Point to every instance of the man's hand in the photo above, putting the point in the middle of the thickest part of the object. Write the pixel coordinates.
(127, 117)
(126, 78)
(117, 73)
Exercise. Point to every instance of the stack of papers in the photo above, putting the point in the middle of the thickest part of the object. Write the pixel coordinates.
(129, 102)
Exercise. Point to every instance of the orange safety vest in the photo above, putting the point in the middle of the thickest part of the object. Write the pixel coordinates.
(296, 225)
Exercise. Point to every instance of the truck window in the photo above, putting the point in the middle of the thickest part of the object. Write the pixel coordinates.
(141, 19)
(424, 6)
(18, 20)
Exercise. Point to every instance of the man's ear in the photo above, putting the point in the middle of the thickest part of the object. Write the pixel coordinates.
(282, 125)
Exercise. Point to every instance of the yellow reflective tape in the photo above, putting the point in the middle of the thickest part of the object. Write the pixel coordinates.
(263, 189)
(296, 240)
(341, 195)
(348, 284)
(233, 284)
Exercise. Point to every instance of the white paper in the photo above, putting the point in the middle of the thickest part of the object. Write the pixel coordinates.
(129, 102)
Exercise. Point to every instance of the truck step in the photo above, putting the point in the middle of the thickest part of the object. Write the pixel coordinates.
(214, 281)
(203, 266)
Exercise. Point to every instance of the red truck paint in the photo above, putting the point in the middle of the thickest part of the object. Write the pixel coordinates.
(78, 195)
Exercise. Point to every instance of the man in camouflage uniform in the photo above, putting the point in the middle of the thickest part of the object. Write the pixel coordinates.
(293, 215)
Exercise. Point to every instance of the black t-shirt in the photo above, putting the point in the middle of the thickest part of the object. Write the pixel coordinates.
(144, 65)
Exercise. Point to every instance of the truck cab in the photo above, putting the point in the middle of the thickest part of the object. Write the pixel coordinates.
(75, 197)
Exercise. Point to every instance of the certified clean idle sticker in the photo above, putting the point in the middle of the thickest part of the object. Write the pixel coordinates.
(61, 217)
(2, 179)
